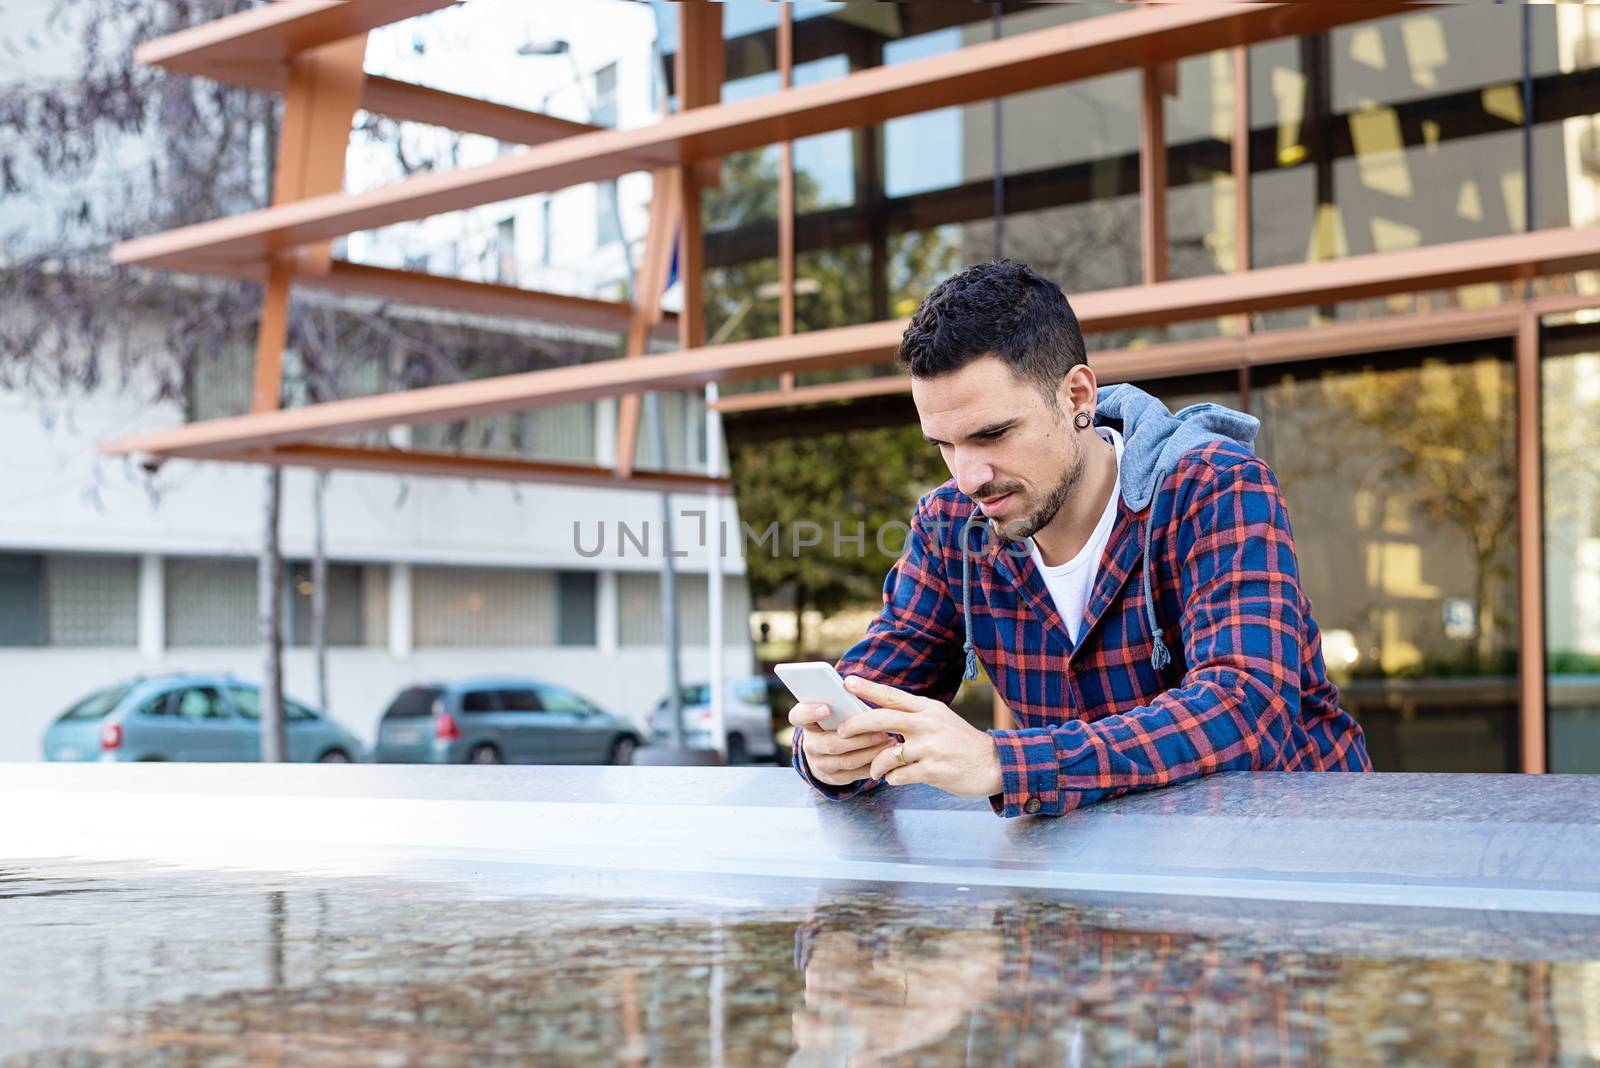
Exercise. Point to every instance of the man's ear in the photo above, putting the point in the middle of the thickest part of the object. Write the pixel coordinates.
(1078, 389)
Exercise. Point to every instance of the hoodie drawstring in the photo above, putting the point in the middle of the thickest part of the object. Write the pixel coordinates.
(1160, 656)
(970, 671)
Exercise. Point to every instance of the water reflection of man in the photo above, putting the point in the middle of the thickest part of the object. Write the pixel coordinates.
(1126, 576)
(873, 994)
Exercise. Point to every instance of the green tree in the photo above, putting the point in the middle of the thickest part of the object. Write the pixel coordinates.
(862, 480)
(846, 483)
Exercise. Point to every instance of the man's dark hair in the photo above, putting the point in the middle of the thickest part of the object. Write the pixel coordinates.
(1003, 307)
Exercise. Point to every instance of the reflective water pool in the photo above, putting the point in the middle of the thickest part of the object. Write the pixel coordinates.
(129, 964)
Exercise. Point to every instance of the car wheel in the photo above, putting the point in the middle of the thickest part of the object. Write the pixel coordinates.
(485, 754)
(622, 750)
(738, 753)
(334, 756)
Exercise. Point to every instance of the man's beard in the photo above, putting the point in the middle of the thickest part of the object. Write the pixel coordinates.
(1041, 516)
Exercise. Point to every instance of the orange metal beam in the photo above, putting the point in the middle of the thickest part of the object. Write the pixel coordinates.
(786, 208)
(271, 34)
(1498, 258)
(466, 465)
(465, 114)
(1490, 259)
(1146, 35)
(665, 211)
(254, 50)
(1204, 355)
(319, 106)
(484, 298)
(1154, 86)
(1530, 547)
(481, 298)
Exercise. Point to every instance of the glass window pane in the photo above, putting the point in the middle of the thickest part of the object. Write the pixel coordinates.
(210, 602)
(576, 621)
(1400, 476)
(480, 701)
(97, 704)
(416, 701)
(519, 700)
(92, 600)
(483, 606)
(200, 702)
(557, 700)
(246, 701)
(1571, 428)
(1386, 135)
(22, 617)
(346, 623)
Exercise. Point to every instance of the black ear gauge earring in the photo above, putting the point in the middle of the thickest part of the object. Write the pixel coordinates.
(1082, 420)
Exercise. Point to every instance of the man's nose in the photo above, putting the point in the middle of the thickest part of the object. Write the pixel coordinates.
(972, 473)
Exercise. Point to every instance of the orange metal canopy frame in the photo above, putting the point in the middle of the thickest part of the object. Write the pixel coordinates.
(1510, 257)
(1146, 35)
(263, 47)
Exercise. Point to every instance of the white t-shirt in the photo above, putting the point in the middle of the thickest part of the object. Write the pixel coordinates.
(1071, 583)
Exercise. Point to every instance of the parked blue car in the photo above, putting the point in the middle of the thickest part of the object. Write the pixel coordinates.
(501, 721)
(189, 717)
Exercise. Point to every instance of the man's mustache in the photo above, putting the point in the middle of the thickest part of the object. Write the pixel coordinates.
(990, 492)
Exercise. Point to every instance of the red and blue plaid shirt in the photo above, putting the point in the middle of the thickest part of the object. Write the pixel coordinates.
(1247, 691)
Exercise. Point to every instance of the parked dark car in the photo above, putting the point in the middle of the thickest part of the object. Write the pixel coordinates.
(190, 717)
(501, 721)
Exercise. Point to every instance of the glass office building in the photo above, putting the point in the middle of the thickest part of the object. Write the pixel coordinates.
(1404, 462)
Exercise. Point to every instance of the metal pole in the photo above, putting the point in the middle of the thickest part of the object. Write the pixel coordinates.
(719, 732)
(996, 10)
(669, 578)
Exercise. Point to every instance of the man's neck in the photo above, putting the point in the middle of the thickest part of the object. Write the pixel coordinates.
(1065, 536)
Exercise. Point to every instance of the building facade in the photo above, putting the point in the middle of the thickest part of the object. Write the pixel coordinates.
(1400, 464)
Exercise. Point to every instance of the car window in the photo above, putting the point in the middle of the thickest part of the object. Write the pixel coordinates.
(519, 700)
(414, 701)
(555, 700)
(697, 695)
(97, 704)
(200, 702)
(479, 701)
(157, 704)
(246, 701)
(752, 692)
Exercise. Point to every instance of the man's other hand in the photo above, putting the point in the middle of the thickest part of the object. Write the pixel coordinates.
(833, 759)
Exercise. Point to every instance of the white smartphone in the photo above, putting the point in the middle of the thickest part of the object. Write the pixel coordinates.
(817, 683)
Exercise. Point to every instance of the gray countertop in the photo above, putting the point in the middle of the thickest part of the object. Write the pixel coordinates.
(1491, 842)
(389, 915)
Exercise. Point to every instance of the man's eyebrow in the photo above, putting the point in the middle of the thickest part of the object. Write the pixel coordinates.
(982, 431)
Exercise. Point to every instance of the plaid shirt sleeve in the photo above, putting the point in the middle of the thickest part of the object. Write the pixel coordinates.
(914, 644)
(1241, 630)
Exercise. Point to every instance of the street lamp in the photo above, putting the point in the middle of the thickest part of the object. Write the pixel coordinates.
(552, 47)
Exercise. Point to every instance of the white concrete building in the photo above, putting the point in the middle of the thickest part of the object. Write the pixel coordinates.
(107, 572)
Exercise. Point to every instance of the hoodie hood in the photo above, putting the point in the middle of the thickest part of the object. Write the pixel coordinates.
(1153, 439)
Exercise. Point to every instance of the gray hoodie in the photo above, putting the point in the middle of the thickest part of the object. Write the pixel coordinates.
(1153, 439)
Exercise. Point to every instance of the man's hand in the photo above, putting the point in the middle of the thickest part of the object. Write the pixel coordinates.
(832, 759)
(940, 748)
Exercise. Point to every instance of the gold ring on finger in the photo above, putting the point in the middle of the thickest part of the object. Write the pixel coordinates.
(900, 754)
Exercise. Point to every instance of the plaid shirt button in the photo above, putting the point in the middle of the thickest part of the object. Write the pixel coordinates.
(1032, 805)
